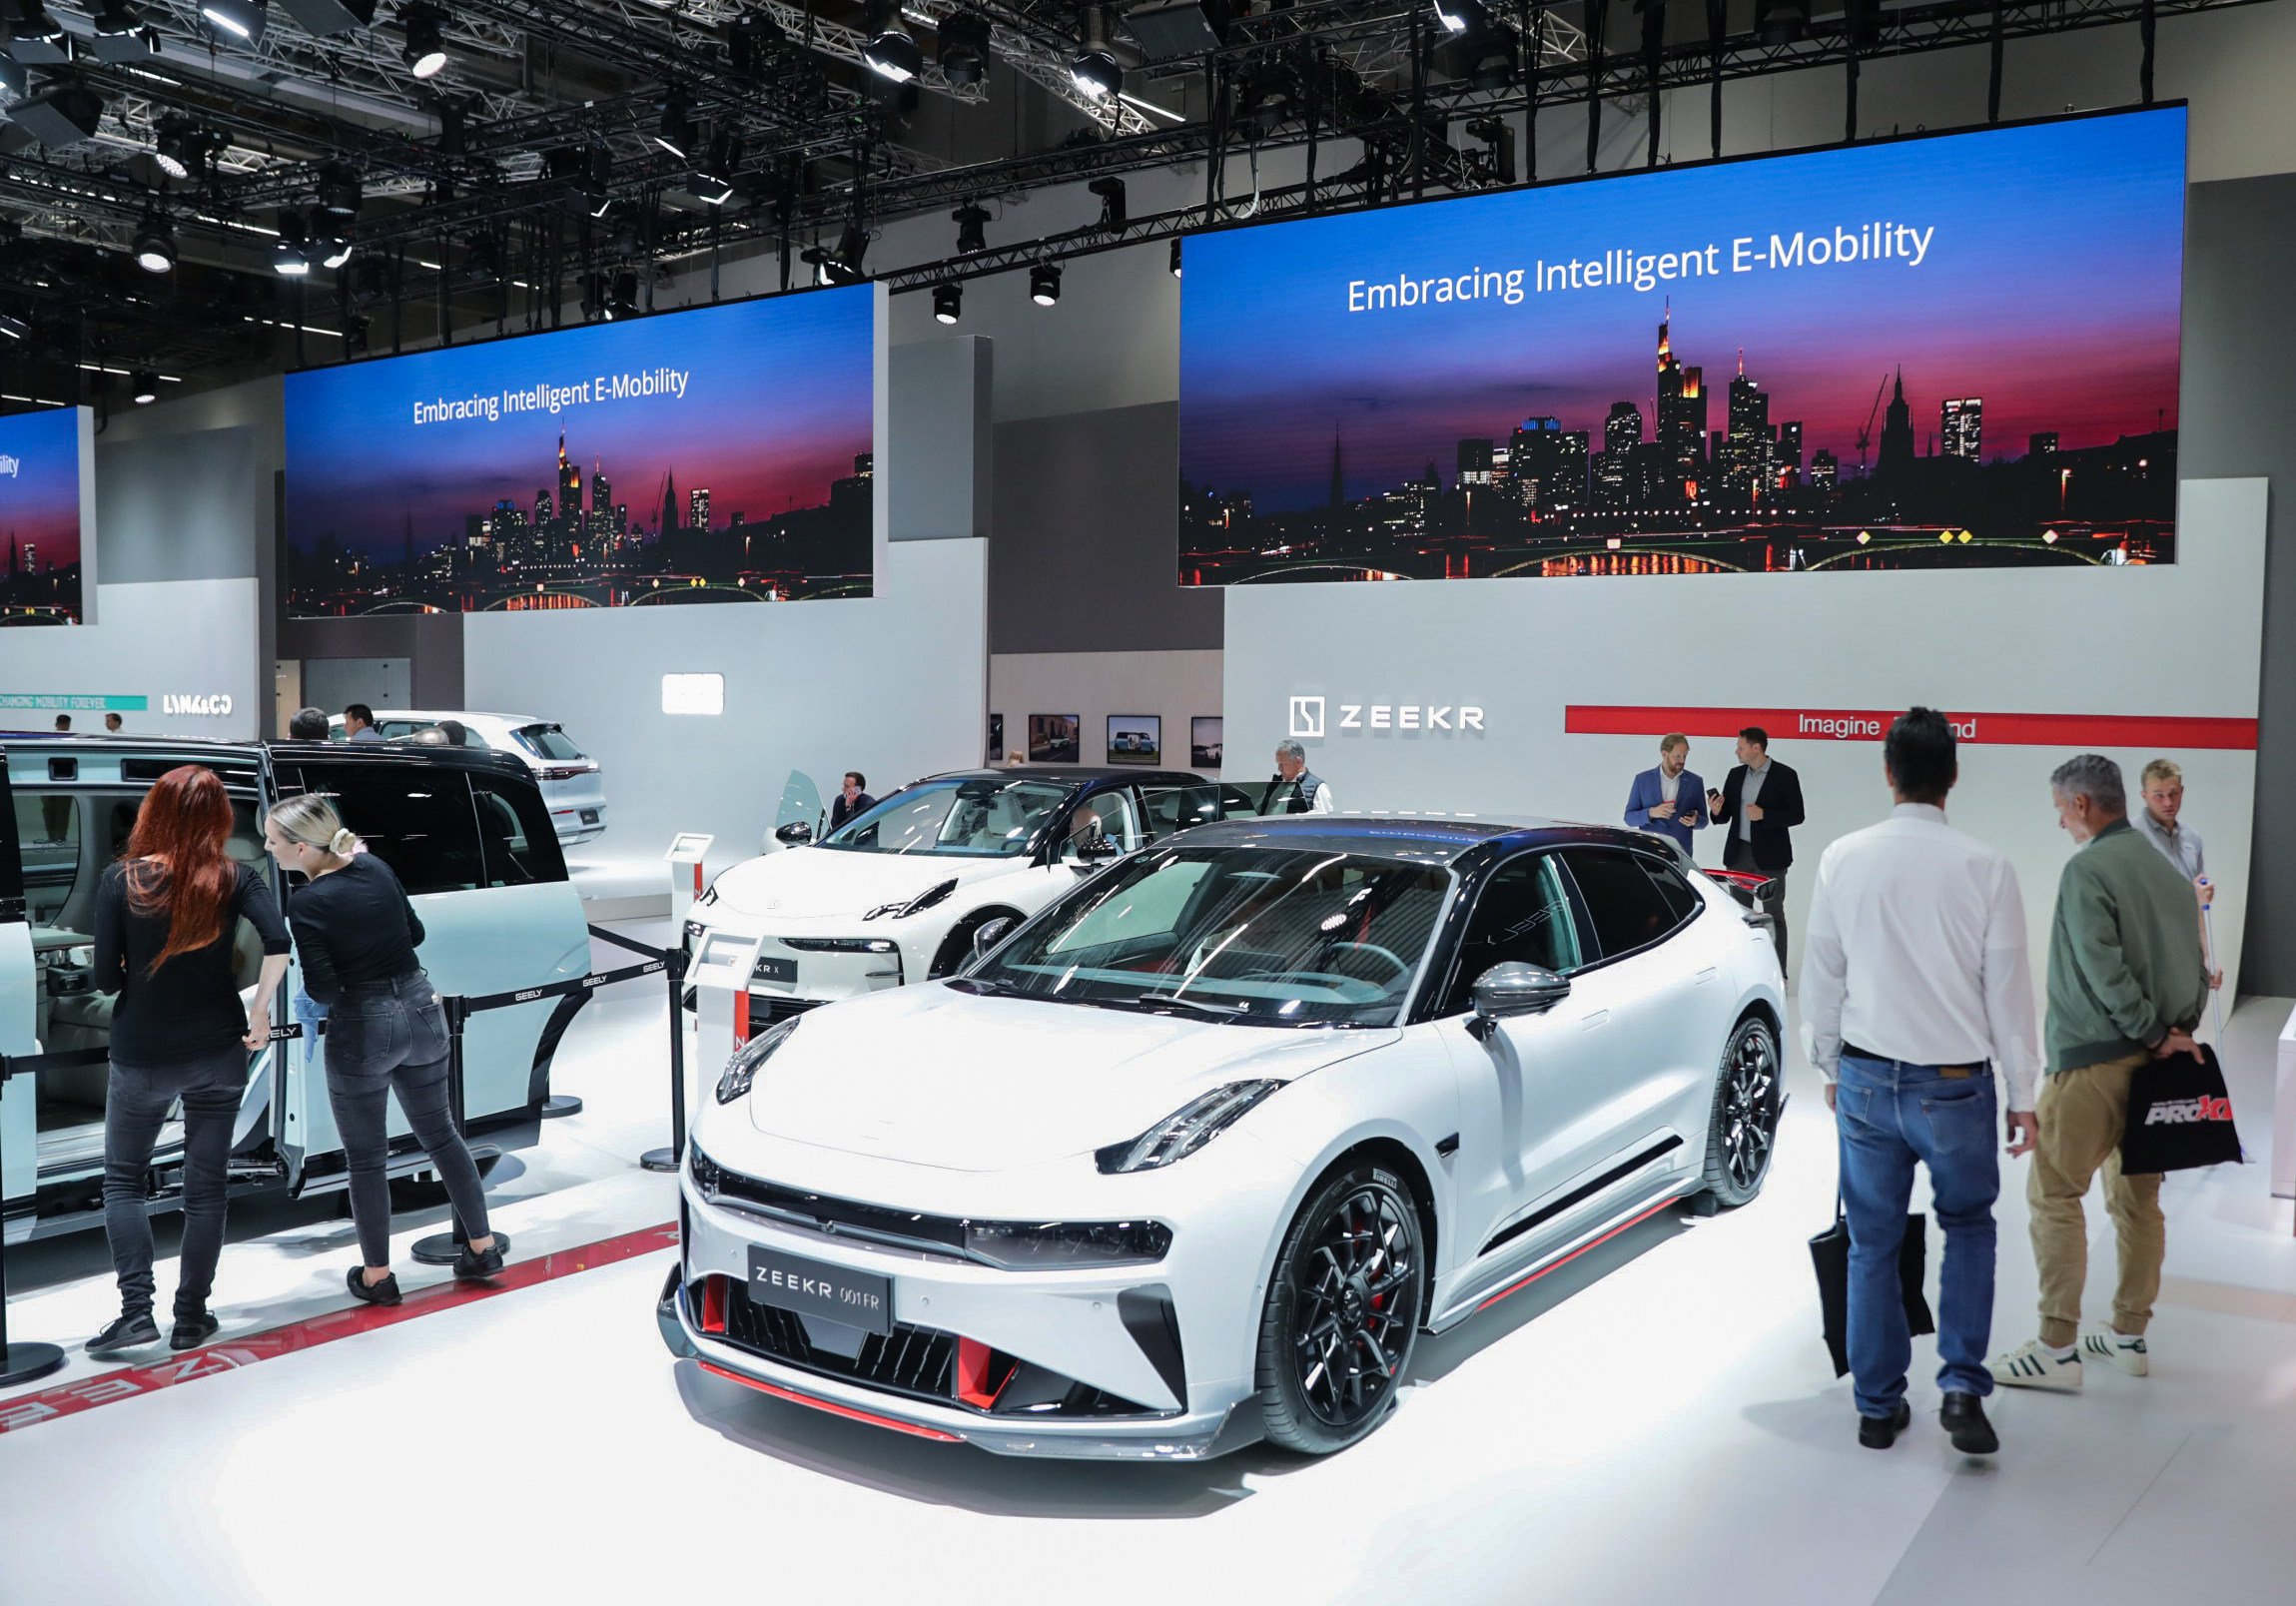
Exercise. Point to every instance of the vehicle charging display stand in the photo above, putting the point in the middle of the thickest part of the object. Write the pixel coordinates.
(19, 1362)
(720, 975)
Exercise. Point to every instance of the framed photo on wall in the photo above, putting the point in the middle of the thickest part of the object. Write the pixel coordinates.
(1135, 738)
(1055, 738)
(1203, 744)
(996, 738)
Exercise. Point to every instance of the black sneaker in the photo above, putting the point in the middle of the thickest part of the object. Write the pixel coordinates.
(189, 1332)
(131, 1329)
(473, 1267)
(1879, 1433)
(385, 1292)
(1963, 1418)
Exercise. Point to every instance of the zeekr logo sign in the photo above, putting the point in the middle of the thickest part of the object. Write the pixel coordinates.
(1309, 717)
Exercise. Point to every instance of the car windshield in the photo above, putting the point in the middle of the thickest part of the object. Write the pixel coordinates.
(1256, 936)
(547, 741)
(979, 816)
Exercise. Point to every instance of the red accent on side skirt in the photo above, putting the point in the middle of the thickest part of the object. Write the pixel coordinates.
(133, 1382)
(832, 1408)
(1574, 1254)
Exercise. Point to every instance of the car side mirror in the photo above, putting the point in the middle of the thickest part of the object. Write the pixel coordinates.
(1512, 988)
(990, 933)
(794, 835)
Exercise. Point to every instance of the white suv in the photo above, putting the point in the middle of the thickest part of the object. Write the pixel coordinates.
(571, 783)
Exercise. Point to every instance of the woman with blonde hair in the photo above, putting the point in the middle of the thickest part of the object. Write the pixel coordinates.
(355, 932)
(166, 915)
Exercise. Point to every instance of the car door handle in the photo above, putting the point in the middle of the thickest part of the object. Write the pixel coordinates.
(1705, 976)
(1589, 1022)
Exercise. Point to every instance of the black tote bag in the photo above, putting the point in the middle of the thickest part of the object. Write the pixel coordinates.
(1830, 1257)
(2179, 1116)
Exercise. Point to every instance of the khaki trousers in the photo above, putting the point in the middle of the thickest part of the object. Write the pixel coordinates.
(2081, 1116)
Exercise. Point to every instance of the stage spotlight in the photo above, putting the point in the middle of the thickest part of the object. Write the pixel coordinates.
(237, 19)
(114, 18)
(1112, 194)
(852, 245)
(60, 117)
(892, 50)
(961, 48)
(32, 23)
(1093, 68)
(179, 147)
(1452, 15)
(1045, 283)
(947, 302)
(290, 252)
(972, 221)
(1781, 22)
(1175, 257)
(425, 49)
(624, 301)
(155, 245)
(13, 328)
(724, 159)
(340, 194)
(333, 250)
(677, 133)
(751, 40)
(145, 386)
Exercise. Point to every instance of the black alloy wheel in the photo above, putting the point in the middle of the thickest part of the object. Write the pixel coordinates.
(1342, 1311)
(1748, 1098)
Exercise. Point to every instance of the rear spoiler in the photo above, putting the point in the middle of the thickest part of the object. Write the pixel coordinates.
(1751, 888)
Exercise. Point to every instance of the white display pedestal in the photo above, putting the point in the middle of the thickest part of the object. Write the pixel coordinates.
(688, 850)
(2284, 1115)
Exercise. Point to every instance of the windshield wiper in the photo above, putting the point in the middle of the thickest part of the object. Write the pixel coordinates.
(1218, 1011)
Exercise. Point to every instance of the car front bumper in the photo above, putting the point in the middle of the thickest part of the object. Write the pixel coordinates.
(1069, 1322)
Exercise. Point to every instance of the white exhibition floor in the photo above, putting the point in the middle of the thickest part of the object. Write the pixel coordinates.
(1656, 1422)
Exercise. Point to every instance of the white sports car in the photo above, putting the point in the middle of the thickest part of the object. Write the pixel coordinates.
(896, 894)
(1193, 1155)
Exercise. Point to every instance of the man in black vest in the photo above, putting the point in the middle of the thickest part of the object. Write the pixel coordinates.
(1760, 803)
(1294, 789)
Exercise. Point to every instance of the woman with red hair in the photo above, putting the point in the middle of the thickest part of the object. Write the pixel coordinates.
(166, 915)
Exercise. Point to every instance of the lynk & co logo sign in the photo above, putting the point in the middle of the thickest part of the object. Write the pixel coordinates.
(216, 705)
(1310, 719)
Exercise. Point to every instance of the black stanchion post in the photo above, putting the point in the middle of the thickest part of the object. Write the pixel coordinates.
(442, 1248)
(19, 1362)
(668, 1159)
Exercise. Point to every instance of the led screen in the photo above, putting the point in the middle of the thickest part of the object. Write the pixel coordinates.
(722, 454)
(1947, 350)
(43, 513)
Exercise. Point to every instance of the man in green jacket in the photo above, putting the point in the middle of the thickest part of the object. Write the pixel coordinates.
(2127, 983)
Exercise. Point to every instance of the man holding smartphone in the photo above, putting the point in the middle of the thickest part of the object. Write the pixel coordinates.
(1666, 799)
(1761, 802)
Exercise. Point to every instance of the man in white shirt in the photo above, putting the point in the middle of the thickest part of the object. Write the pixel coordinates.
(1915, 988)
(1296, 789)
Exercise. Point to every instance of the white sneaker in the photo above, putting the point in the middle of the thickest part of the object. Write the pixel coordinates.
(2105, 1345)
(2033, 1365)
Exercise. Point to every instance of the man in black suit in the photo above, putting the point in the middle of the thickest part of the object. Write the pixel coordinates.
(1760, 803)
(852, 798)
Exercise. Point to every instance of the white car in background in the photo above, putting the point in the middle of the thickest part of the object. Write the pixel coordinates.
(572, 782)
(1193, 1155)
(897, 894)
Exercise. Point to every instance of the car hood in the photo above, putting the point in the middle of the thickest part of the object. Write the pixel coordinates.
(807, 883)
(929, 1075)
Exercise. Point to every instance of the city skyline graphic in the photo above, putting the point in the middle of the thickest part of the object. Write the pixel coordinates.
(40, 517)
(1947, 350)
(720, 455)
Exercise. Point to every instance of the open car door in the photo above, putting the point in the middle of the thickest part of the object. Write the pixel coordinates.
(800, 805)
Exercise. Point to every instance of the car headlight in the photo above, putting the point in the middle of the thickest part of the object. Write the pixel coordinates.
(840, 945)
(1185, 1129)
(742, 1069)
(1027, 1246)
(917, 904)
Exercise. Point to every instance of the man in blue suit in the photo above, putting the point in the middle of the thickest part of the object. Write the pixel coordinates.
(1669, 799)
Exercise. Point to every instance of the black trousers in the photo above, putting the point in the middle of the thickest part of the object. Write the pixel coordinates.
(1739, 854)
(136, 1106)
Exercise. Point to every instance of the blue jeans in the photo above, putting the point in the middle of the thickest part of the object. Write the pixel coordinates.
(1892, 1114)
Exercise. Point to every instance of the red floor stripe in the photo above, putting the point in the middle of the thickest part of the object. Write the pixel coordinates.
(134, 1383)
